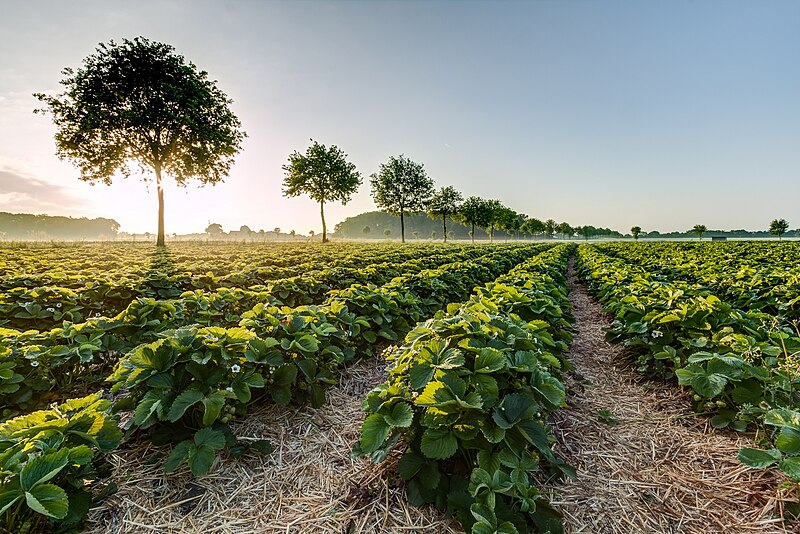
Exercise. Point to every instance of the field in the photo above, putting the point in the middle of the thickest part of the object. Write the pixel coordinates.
(220, 387)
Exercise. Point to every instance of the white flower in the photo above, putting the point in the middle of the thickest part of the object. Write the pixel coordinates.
(51, 310)
(58, 305)
(235, 368)
(656, 333)
(34, 364)
(229, 388)
(97, 314)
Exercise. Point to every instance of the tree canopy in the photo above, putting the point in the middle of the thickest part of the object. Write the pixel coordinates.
(699, 230)
(401, 186)
(471, 213)
(778, 227)
(444, 203)
(141, 102)
(635, 231)
(322, 173)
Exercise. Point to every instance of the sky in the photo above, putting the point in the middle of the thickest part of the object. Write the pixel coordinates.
(661, 115)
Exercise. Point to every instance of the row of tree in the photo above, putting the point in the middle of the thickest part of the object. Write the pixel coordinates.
(777, 227)
(27, 227)
(401, 187)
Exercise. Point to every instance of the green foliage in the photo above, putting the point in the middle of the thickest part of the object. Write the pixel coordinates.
(324, 174)
(635, 231)
(444, 203)
(401, 186)
(778, 227)
(49, 464)
(140, 101)
(739, 362)
(699, 230)
(469, 392)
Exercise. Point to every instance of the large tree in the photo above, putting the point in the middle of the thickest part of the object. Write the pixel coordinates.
(401, 186)
(444, 203)
(471, 213)
(778, 227)
(141, 102)
(635, 231)
(533, 226)
(322, 173)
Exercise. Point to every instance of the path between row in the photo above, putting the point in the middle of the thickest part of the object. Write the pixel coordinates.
(658, 469)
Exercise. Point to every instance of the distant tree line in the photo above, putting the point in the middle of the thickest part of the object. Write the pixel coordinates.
(27, 227)
(376, 224)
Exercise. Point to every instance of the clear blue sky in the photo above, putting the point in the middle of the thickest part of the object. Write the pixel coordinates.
(657, 114)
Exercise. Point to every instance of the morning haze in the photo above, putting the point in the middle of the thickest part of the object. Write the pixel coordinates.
(661, 115)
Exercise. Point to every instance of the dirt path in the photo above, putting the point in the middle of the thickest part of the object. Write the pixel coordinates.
(658, 469)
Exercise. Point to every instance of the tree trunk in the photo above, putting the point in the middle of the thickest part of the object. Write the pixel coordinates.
(444, 227)
(473, 232)
(402, 229)
(491, 234)
(160, 239)
(324, 228)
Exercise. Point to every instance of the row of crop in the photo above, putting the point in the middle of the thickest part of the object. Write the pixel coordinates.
(44, 307)
(749, 275)
(469, 393)
(32, 364)
(74, 262)
(740, 365)
(185, 387)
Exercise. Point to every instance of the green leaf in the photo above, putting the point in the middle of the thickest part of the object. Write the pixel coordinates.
(438, 443)
(791, 466)
(80, 455)
(489, 360)
(758, 458)
(373, 432)
(43, 468)
(213, 406)
(201, 458)
(146, 407)
(788, 441)
(8, 498)
(49, 500)
(177, 456)
(783, 417)
(182, 403)
(402, 415)
(709, 385)
(210, 438)
(410, 464)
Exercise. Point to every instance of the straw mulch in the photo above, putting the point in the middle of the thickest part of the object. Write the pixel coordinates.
(659, 469)
(308, 484)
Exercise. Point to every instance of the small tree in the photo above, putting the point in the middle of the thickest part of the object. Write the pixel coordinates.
(401, 186)
(492, 217)
(778, 227)
(277, 232)
(565, 229)
(699, 230)
(444, 203)
(533, 226)
(387, 233)
(292, 233)
(322, 173)
(141, 102)
(507, 221)
(366, 230)
(550, 227)
(635, 231)
(471, 212)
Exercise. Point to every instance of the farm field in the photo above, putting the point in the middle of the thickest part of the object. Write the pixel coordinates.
(241, 387)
